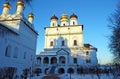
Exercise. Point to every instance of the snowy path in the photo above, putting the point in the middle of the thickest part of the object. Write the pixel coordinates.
(77, 76)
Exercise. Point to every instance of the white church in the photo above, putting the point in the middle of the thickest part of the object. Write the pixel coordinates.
(64, 49)
(18, 39)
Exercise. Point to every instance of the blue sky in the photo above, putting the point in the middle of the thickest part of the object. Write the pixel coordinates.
(93, 14)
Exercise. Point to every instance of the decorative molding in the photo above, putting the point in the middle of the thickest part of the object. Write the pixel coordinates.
(63, 34)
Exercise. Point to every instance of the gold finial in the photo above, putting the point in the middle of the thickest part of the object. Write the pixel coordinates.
(31, 15)
(64, 16)
(20, 2)
(7, 5)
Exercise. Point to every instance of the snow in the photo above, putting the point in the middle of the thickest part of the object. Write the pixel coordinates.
(78, 76)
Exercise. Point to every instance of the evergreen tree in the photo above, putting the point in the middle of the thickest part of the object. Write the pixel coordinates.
(114, 44)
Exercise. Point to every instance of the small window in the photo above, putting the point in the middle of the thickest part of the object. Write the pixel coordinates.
(53, 24)
(87, 53)
(24, 55)
(51, 43)
(8, 51)
(15, 55)
(73, 23)
(88, 60)
(31, 58)
(64, 24)
(75, 60)
(63, 43)
(75, 42)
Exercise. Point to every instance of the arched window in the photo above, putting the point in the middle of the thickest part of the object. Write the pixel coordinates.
(64, 24)
(87, 53)
(53, 60)
(24, 55)
(15, 55)
(51, 43)
(31, 58)
(38, 60)
(75, 60)
(88, 60)
(8, 51)
(75, 42)
(63, 43)
(53, 24)
(46, 60)
(62, 60)
(73, 23)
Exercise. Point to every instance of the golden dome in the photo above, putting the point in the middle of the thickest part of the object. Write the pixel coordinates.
(54, 17)
(30, 15)
(7, 5)
(73, 16)
(64, 16)
(20, 2)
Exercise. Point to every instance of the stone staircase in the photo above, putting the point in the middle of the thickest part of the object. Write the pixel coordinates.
(52, 70)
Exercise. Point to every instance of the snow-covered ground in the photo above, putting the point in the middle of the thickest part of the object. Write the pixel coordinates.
(77, 76)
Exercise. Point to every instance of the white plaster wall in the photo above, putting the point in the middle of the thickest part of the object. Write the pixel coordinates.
(69, 34)
(25, 42)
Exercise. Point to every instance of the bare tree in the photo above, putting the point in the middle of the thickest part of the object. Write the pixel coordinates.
(114, 44)
(7, 72)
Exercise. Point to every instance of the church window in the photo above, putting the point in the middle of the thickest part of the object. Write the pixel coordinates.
(51, 43)
(73, 23)
(87, 53)
(24, 55)
(64, 24)
(8, 51)
(53, 24)
(88, 60)
(63, 43)
(75, 42)
(75, 60)
(15, 55)
(46, 60)
(62, 60)
(31, 58)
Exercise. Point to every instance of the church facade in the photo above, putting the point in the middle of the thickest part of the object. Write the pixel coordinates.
(16, 35)
(64, 49)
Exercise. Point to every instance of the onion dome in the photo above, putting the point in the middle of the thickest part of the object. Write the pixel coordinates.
(54, 17)
(73, 16)
(30, 15)
(7, 5)
(20, 2)
(64, 16)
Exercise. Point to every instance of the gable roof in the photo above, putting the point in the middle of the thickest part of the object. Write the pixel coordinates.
(62, 52)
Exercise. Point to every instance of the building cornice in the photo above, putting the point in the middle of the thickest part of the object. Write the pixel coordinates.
(64, 26)
(63, 34)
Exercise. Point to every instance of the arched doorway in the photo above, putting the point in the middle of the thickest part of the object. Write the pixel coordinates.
(38, 71)
(80, 70)
(46, 60)
(62, 60)
(46, 70)
(70, 70)
(53, 60)
(61, 71)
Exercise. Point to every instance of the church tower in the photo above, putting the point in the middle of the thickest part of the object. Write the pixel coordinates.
(6, 8)
(30, 17)
(64, 20)
(73, 19)
(53, 21)
(20, 7)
